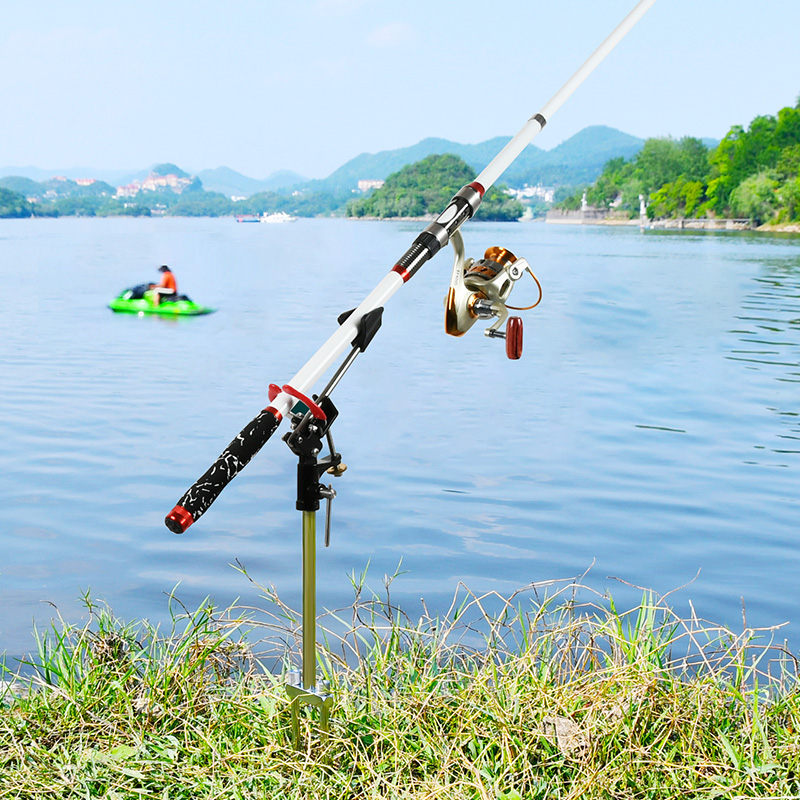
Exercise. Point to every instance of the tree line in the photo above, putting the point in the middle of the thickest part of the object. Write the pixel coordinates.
(416, 190)
(752, 173)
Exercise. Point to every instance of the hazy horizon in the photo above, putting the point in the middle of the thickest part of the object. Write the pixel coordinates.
(5, 170)
(261, 86)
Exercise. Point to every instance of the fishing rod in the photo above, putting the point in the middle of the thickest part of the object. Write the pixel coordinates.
(478, 290)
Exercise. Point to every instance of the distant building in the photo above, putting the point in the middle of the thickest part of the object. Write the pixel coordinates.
(367, 184)
(152, 183)
(85, 181)
(131, 190)
(546, 193)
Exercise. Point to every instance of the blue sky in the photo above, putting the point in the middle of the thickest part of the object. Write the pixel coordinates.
(305, 85)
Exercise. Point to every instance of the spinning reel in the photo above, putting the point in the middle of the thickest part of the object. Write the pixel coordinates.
(480, 289)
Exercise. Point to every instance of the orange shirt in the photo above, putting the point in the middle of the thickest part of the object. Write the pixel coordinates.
(168, 282)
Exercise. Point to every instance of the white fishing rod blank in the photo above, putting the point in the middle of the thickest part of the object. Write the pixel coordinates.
(501, 162)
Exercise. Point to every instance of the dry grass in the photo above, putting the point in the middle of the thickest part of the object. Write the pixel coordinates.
(544, 694)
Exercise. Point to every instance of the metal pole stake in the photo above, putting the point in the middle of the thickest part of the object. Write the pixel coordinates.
(302, 687)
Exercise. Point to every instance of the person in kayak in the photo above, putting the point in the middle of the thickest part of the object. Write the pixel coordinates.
(168, 286)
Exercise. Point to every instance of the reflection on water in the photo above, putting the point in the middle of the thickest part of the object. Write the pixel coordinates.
(770, 341)
(651, 428)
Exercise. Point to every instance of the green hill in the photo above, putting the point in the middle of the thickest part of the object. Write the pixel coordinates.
(168, 168)
(24, 186)
(426, 187)
(13, 204)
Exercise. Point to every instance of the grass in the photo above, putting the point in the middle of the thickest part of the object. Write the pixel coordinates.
(539, 695)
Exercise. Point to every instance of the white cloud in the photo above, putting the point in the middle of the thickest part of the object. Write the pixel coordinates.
(393, 35)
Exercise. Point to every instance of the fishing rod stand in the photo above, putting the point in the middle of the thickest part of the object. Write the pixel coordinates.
(478, 290)
(311, 420)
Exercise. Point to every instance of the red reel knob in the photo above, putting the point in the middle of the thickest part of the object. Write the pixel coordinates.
(514, 337)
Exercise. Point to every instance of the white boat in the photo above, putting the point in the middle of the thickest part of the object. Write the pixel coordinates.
(278, 216)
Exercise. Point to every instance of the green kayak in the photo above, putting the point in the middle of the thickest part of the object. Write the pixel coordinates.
(139, 300)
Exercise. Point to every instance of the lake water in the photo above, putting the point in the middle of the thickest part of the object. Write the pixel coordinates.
(650, 431)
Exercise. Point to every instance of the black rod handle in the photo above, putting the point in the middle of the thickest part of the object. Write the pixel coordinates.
(233, 459)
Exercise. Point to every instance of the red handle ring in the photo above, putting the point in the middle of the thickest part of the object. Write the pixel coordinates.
(315, 410)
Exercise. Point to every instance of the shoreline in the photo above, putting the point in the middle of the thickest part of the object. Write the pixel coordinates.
(552, 218)
(596, 217)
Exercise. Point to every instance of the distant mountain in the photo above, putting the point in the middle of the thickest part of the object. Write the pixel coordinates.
(114, 177)
(378, 166)
(597, 142)
(54, 187)
(232, 184)
(578, 159)
(222, 179)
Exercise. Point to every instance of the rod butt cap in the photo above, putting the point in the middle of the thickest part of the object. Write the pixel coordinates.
(178, 520)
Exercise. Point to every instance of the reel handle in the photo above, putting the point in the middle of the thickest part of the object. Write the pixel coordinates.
(512, 334)
(514, 337)
(233, 459)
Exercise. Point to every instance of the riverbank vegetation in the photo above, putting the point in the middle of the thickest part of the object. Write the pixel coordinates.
(13, 205)
(753, 173)
(416, 190)
(541, 695)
